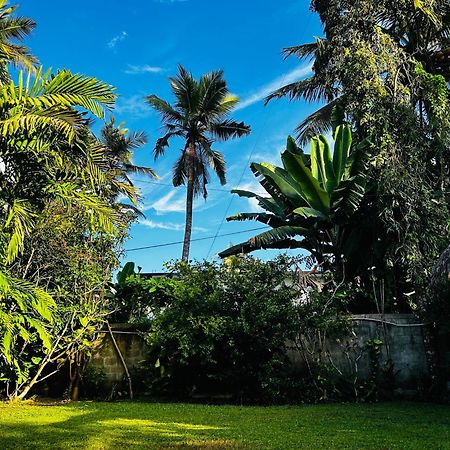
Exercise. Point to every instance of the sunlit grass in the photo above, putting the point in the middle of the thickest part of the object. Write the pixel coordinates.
(161, 426)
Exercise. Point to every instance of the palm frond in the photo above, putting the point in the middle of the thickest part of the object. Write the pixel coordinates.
(310, 89)
(180, 171)
(302, 51)
(168, 114)
(163, 142)
(186, 91)
(229, 128)
(319, 122)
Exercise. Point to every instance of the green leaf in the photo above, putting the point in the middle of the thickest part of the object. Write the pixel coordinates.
(311, 191)
(342, 144)
(281, 182)
(321, 163)
(310, 212)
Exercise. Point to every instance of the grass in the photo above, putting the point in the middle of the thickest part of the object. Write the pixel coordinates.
(124, 425)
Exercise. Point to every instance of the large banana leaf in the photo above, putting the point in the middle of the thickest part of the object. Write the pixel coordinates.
(267, 203)
(311, 191)
(279, 181)
(322, 163)
(342, 144)
(347, 198)
(268, 219)
(248, 247)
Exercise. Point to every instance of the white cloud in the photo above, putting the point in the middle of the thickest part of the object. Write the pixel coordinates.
(175, 202)
(253, 186)
(134, 105)
(165, 204)
(167, 226)
(116, 39)
(137, 70)
(264, 91)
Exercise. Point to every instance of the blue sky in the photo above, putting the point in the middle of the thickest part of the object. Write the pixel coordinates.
(136, 45)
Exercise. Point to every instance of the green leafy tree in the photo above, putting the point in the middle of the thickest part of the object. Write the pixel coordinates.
(118, 146)
(385, 63)
(44, 154)
(416, 29)
(200, 117)
(222, 329)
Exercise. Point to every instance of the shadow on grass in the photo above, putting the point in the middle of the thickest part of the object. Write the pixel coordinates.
(81, 427)
(127, 425)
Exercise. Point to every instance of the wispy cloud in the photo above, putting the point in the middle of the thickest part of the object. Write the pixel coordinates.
(264, 91)
(167, 226)
(134, 105)
(175, 202)
(169, 204)
(252, 186)
(116, 39)
(137, 70)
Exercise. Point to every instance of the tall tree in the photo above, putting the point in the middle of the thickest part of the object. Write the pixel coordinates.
(45, 158)
(419, 30)
(385, 63)
(200, 117)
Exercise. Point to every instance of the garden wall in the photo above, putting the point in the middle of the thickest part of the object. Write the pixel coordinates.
(131, 345)
(401, 335)
(402, 345)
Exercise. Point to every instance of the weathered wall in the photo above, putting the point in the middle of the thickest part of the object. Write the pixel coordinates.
(131, 345)
(403, 345)
(401, 335)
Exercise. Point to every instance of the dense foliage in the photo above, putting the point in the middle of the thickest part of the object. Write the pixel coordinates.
(220, 330)
(373, 213)
(60, 226)
(385, 64)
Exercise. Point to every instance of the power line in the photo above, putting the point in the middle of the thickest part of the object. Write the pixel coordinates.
(197, 239)
(172, 186)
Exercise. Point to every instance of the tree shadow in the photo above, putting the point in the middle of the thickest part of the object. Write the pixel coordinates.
(91, 427)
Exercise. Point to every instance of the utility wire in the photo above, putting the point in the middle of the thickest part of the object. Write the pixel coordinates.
(197, 239)
(172, 186)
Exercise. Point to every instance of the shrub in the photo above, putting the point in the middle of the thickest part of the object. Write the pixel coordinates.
(224, 329)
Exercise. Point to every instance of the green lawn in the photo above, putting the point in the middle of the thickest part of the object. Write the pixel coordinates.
(162, 426)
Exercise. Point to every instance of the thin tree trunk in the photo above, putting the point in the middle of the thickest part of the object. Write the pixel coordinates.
(189, 203)
(122, 360)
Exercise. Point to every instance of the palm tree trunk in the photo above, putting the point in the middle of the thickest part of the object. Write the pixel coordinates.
(189, 203)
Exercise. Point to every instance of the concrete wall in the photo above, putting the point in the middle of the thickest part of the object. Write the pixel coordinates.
(402, 347)
(401, 335)
(131, 344)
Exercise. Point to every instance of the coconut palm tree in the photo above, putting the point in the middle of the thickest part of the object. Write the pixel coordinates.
(115, 149)
(200, 117)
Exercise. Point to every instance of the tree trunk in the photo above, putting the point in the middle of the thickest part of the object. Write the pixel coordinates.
(189, 202)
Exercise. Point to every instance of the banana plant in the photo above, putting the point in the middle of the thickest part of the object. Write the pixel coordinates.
(312, 196)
